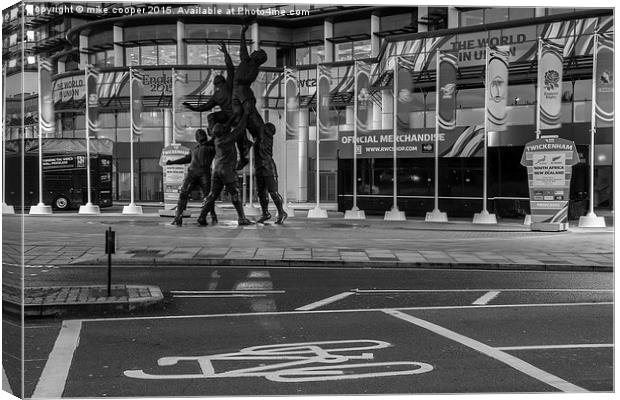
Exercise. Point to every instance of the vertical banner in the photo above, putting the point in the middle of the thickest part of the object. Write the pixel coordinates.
(291, 105)
(550, 64)
(92, 98)
(173, 175)
(179, 89)
(446, 91)
(362, 97)
(326, 131)
(46, 110)
(136, 93)
(404, 94)
(604, 80)
(497, 88)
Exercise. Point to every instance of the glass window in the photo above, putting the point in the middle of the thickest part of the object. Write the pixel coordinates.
(471, 18)
(197, 54)
(495, 14)
(148, 55)
(583, 90)
(132, 56)
(109, 58)
(521, 13)
(13, 39)
(554, 11)
(361, 49)
(14, 13)
(344, 51)
(470, 98)
(520, 95)
(30, 36)
(302, 56)
(215, 56)
(167, 54)
(317, 54)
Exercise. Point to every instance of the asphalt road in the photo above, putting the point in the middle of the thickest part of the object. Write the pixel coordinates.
(234, 331)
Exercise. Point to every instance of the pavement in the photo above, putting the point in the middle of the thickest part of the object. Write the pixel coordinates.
(70, 239)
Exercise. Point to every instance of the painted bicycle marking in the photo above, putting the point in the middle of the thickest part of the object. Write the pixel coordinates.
(296, 362)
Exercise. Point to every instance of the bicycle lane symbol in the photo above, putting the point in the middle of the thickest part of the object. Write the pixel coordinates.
(299, 362)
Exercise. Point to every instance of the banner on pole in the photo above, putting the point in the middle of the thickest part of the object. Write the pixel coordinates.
(604, 78)
(363, 99)
(550, 64)
(404, 92)
(326, 130)
(291, 107)
(179, 90)
(446, 87)
(92, 98)
(549, 162)
(497, 87)
(46, 113)
(136, 78)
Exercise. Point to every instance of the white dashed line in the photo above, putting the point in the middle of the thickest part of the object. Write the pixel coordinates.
(486, 298)
(325, 301)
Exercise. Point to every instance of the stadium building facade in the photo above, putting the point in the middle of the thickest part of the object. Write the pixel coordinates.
(186, 36)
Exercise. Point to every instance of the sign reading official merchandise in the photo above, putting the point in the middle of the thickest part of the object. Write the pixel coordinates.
(549, 162)
(173, 174)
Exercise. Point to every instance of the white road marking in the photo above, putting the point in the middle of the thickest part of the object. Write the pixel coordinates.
(602, 303)
(499, 355)
(6, 385)
(204, 296)
(54, 376)
(325, 301)
(557, 346)
(476, 290)
(488, 296)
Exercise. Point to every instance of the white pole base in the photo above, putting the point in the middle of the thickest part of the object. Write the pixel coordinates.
(132, 208)
(288, 209)
(89, 208)
(317, 212)
(354, 213)
(394, 215)
(484, 217)
(6, 209)
(40, 209)
(528, 220)
(251, 210)
(592, 221)
(436, 216)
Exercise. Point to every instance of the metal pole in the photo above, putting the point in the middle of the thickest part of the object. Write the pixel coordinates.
(355, 105)
(538, 91)
(395, 106)
(88, 183)
(318, 138)
(437, 133)
(40, 139)
(593, 123)
(486, 123)
(285, 173)
(4, 124)
(131, 134)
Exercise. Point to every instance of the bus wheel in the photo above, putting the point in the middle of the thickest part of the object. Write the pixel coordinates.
(61, 203)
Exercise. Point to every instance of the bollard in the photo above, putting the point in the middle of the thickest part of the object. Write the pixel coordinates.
(110, 244)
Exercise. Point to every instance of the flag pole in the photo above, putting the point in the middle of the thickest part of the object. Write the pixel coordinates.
(6, 209)
(395, 214)
(484, 217)
(132, 208)
(528, 217)
(436, 215)
(40, 208)
(317, 211)
(591, 220)
(287, 209)
(355, 212)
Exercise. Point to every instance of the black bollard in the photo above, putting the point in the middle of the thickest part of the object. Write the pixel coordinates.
(110, 242)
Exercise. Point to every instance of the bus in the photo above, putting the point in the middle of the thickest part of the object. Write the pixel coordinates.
(64, 172)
